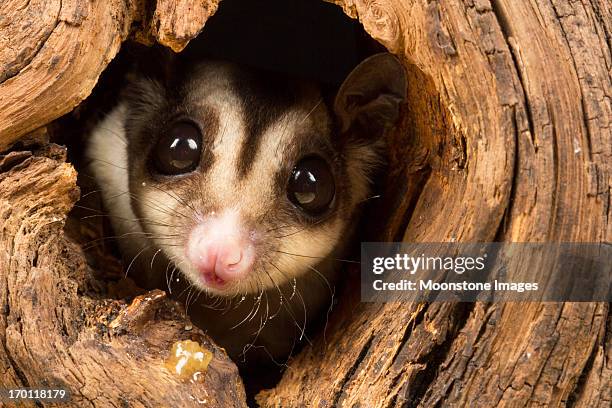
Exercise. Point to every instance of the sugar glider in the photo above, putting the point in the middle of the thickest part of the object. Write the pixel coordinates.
(239, 189)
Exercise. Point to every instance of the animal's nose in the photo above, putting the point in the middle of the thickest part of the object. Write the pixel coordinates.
(222, 261)
(221, 250)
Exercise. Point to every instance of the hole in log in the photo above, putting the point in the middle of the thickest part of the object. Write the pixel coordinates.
(409, 152)
(417, 146)
(517, 154)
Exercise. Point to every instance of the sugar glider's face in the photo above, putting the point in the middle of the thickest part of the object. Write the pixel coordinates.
(246, 180)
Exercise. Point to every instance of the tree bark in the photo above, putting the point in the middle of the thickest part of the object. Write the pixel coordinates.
(53, 51)
(60, 327)
(60, 324)
(505, 136)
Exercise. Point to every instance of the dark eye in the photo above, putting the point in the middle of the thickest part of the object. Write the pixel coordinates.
(178, 151)
(311, 186)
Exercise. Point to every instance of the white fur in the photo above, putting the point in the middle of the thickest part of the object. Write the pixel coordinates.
(107, 153)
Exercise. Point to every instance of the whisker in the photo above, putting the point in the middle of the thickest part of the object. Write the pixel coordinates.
(301, 328)
(106, 162)
(91, 244)
(327, 217)
(169, 280)
(257, 302)
(318, 257)
(312, 110)
(153, 258)
(113, 133)
(332, 294)
(134, 259)
(175, 198)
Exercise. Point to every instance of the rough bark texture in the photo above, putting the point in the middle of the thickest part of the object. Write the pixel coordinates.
(513, 144)
(60, 327)
(53, 51)
(506, 136)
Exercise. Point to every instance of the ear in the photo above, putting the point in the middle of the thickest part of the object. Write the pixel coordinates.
(149, 76)
(368, 101)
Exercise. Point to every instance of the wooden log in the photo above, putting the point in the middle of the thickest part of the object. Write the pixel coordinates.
(506, 136)
(52, 52)
(519, 152)
(60, 327)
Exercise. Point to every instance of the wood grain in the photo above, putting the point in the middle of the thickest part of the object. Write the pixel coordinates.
(60, 328)
(52, 52)
(505, 136)
(511, 142)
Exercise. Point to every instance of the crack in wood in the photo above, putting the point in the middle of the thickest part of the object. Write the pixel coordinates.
(349, 374)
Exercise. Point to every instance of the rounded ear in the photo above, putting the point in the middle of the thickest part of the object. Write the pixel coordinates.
(150, 72)
(369, 100)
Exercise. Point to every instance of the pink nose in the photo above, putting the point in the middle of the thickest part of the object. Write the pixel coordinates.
(222, 261)
(220, 249)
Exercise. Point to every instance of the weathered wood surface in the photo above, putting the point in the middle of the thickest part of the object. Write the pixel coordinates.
(511, 141)
(53, 51)
(59, 327)
(506, 136)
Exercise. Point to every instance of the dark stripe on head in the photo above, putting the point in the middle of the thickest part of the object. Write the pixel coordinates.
(264, 97)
